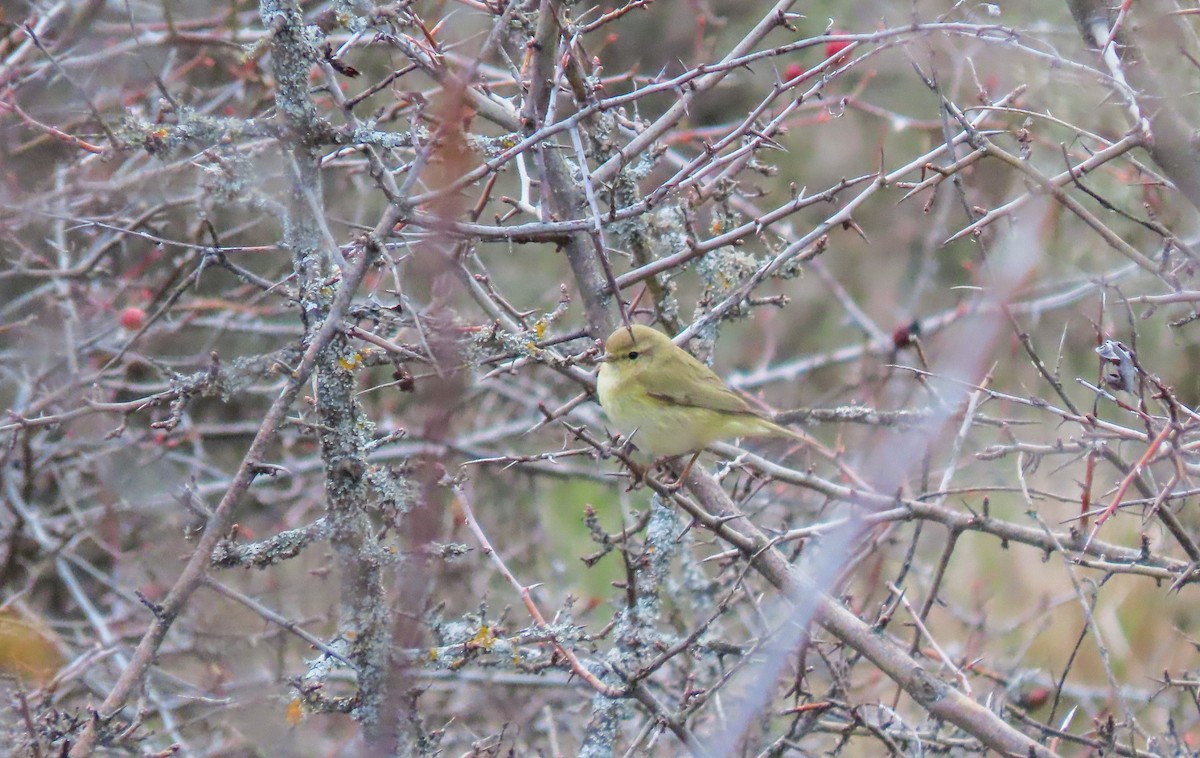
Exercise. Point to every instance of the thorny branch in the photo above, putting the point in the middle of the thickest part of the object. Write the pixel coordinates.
(301, 303)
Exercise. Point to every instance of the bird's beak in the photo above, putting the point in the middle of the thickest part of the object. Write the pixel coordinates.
(602, 358)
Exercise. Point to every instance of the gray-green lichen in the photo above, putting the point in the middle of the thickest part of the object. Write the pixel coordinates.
(275, 549)
(184, 130)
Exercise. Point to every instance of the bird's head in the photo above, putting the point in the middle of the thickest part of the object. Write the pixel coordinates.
(630, 350)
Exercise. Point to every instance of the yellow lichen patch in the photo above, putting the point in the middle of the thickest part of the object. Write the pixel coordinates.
(351, 362)
(484, 639)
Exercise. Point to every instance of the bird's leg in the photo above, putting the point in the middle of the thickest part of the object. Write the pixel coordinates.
(677, 485)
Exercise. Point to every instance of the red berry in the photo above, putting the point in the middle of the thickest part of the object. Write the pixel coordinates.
(792, 71)
(1034, 698)
(834, 48)
(133, 318)
(905, 335)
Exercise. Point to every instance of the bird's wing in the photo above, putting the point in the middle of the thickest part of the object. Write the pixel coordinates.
(696, 386)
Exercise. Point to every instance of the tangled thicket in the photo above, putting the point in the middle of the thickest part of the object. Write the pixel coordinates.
(298, 311)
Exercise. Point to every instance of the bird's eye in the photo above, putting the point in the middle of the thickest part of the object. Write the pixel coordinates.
(633, 354)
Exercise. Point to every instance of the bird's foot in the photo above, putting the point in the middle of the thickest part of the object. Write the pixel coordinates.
(677, 483)
(672, 487)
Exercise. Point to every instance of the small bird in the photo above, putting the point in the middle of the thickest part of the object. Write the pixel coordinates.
(670, 402)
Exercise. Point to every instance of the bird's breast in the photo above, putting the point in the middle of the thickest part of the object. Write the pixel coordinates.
(657, 428)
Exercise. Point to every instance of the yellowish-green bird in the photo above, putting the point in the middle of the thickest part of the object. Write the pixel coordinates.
(670, 402)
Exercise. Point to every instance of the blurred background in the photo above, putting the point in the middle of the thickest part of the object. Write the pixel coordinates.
(906, 228)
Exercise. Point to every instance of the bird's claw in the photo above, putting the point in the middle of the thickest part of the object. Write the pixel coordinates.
(672, 487)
